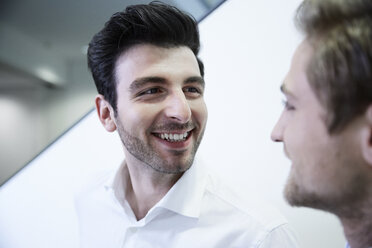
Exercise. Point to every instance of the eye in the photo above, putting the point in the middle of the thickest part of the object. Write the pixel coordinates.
(192, 90)
(150, 91)
(288, 106)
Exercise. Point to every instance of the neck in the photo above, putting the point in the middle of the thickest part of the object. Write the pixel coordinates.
(146, 187)
(358, 226)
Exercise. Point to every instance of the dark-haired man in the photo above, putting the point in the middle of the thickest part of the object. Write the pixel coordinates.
(150, 82)
(326, 126)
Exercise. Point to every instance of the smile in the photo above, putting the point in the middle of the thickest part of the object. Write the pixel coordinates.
(173, 137)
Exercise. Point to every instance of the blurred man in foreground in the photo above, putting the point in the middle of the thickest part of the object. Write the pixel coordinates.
(326, 126)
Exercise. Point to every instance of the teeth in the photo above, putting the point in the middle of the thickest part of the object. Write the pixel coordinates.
(174, 137)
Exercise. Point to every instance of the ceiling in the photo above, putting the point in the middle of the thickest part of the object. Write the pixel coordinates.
(40, 39)
(13, 79)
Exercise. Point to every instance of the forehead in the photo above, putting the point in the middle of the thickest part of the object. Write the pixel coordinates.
(149, 60)
(296, 82)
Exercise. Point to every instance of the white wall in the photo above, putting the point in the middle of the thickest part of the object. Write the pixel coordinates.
(36, 206)
(247, 47)
(20, 120)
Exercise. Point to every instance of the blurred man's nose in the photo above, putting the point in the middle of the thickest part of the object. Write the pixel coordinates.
(277, 132)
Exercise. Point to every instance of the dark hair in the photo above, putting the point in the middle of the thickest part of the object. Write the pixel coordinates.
(340, 70)
(156, 23)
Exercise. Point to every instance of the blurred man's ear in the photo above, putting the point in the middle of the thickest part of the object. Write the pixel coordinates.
(367, 137)
(105, 113)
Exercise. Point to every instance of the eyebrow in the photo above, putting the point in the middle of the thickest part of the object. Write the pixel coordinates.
(195, 79)
(141, 82)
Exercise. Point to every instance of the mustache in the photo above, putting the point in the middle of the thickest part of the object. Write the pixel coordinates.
(173, 126)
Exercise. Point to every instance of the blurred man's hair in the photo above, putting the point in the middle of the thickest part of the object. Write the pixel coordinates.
(340, 70)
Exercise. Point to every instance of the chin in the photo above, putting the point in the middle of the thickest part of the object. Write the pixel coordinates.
(172, 167)
(297, 195)
(291, 194)
(294, 193)
(173, 170)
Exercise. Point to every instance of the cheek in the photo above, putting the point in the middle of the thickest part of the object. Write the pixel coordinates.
(312, 159)
(296, 136)
(135, 117)
(199, 111)
(304, 132)
(300, 144)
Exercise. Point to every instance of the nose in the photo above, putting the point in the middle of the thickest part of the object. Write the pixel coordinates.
(178, 107)
(277, 132)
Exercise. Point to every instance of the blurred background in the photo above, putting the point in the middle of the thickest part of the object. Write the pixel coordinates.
(45, 86)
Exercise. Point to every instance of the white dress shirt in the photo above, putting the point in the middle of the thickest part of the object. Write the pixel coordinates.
(197, 212)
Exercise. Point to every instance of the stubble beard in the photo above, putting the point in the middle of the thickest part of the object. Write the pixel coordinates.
(296, 196)
(342, 203)
(150, 157)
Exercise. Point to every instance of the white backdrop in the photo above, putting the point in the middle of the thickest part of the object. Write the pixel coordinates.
(246, 48)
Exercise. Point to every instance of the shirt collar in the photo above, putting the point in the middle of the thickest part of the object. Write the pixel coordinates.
(113, 179)
(116, 182)
(184, 198)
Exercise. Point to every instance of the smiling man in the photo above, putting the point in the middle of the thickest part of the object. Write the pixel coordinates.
(151, 85)
(326, 126)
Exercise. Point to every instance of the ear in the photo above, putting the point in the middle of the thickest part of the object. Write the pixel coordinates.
(367, 137)
(105, 113)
